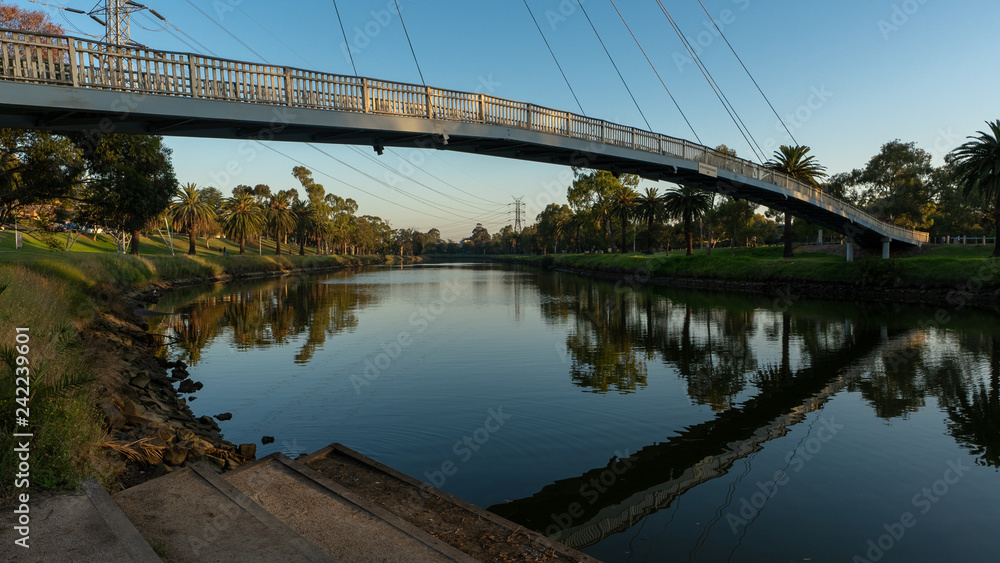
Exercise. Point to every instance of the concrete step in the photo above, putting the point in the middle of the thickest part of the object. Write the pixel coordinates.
(342, 524)
(436, 511)
(84, 527)
(195, 515)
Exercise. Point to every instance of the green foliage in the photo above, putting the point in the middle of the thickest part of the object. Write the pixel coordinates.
(687, 203)
(243, 218)
(896, 184)
(192, 213)
(35, 167)
(977, 167)
(131, 180)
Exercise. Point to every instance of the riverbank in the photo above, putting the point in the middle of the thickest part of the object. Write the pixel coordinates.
(102, 401)
(955, 277)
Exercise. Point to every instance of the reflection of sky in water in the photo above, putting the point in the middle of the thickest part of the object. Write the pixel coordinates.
(538, 345)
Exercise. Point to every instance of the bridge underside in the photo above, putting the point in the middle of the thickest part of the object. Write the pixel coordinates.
(59, 108)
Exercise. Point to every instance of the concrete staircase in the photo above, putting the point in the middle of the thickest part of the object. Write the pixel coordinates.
(274, 509)
(271, 510)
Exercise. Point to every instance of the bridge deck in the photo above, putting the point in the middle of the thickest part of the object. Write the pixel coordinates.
(63, 83)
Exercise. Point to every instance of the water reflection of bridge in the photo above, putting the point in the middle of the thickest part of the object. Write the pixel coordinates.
(655, 476)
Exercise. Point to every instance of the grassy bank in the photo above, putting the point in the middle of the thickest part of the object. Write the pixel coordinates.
(59, 297)
(936, 267)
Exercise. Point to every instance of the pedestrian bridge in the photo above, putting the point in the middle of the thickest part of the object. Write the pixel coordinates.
(63, 83)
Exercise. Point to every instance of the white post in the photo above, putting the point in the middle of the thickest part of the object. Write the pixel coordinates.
(819, 237)
(885, 248)
(850, 250)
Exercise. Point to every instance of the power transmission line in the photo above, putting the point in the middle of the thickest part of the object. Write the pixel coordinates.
(518, 207)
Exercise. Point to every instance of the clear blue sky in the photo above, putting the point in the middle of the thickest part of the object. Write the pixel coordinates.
(872, 71)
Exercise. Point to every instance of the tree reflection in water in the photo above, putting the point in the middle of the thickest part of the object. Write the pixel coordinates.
(714, 344)
(268, 313)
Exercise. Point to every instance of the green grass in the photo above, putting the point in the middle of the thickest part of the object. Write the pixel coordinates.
(951, 266)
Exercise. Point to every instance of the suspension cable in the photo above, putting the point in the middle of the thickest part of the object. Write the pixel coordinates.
(347, 44)
(551, 52)
(664, 84)
(715, 87)
(229, 33)
(412, 51)
(723, 35)
(629, 90)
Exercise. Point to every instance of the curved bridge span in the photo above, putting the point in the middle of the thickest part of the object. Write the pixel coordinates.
(63, 83)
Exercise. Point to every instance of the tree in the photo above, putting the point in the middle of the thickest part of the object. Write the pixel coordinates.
(480, 237)
(649, 206)
(303, 223)
(955, 212)
(552, 222)
(280, 217)
(896, 184)
(734, 214)
(977, 164)
(800, 165)
(191, 213)
(686, 203)
(12, 17)
(243, 219)
(131, 182)
(35, 167)
(622, 202)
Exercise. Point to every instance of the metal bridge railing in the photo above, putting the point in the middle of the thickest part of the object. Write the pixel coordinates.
(55, 59)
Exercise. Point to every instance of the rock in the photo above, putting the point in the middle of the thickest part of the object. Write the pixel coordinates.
(178, 374)
(198, 447)
(248, 451)
(230, 464)
(209, 422)
(133, 413)
(224, 416)
(184, 435)
(175, 455)
(267, 440)
(186, 386)
(116, 420)
(160, 469)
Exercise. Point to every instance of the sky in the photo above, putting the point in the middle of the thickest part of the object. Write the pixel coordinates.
(846, 77)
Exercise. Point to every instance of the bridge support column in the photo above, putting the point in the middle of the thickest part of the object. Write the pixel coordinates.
(850, 249)
(819, 237)
(885, 248)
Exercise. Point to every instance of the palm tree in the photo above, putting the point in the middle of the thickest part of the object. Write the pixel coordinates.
(622, 202)
(190, 212)
(794, 162)
(649, 206)
(574, 223)
(977, 163)
(303, 223)
(687, 203)
(244, 218)
(604, 213)
(280, 217)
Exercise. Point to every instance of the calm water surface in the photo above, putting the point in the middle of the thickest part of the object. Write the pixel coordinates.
(635, 425)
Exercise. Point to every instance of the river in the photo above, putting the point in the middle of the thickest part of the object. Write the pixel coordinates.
(635, 424)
